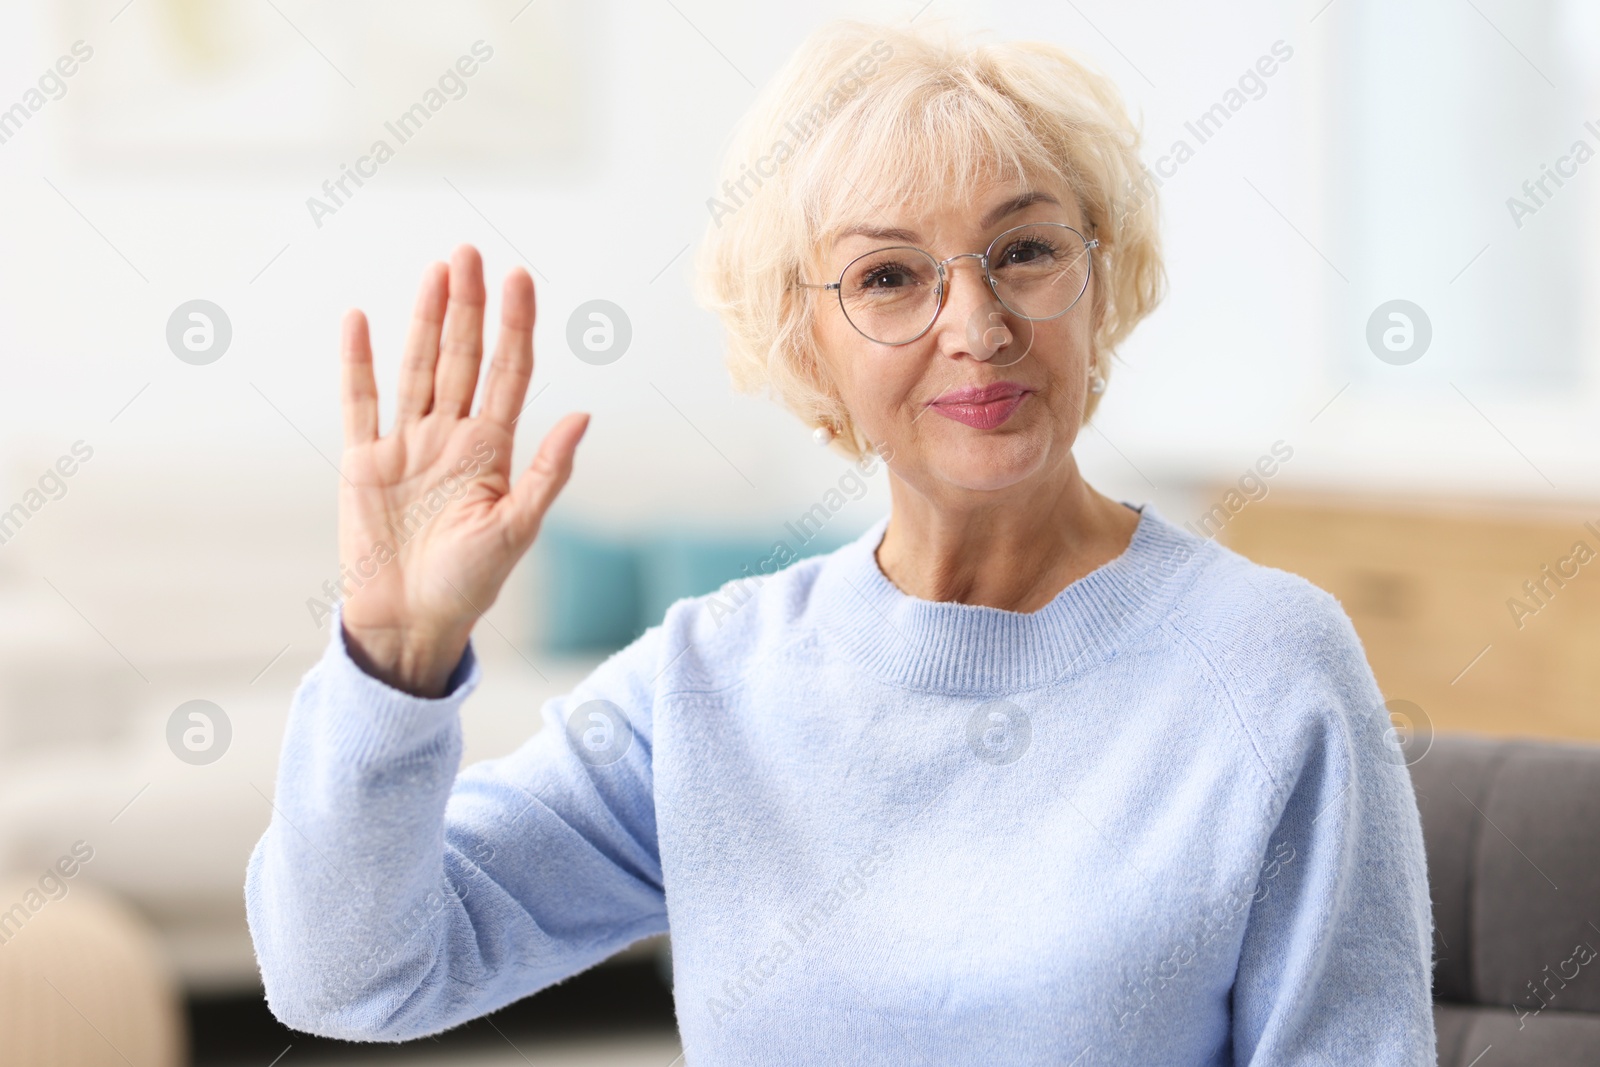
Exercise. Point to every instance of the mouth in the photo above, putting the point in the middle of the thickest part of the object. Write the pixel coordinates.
(982, 408)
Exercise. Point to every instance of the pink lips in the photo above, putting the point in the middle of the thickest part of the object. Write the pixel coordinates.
(981, 408)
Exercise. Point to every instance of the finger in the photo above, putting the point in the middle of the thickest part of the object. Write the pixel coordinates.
(358, 390)
(461, 351)
(512, 366)
(530, 498)
(422, 345)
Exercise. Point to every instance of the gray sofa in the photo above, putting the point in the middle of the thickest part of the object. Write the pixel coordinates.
(1513, 839)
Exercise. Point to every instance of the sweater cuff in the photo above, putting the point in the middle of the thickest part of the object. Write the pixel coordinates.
(370, 721)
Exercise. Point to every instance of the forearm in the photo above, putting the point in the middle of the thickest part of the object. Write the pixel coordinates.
(347, 893)
(392, 897)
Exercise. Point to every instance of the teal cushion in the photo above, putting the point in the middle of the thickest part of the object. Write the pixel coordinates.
(606, 589)
(685, 564)
(592, 602)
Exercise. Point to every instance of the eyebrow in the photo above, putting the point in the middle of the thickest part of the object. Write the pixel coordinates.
(1000, 211)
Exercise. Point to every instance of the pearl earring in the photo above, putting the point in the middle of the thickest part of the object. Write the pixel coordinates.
(1097, 384)
(823, 435)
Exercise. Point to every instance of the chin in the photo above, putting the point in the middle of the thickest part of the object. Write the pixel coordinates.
(991, 462)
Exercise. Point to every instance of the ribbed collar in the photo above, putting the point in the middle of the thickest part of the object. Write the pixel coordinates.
(960, 648)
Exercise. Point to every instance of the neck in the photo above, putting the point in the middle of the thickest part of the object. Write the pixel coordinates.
(1014, 549)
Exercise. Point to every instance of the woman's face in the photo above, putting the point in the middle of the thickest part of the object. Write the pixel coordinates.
(908, 397)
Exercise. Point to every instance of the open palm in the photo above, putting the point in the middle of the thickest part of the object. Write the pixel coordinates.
(430, 523)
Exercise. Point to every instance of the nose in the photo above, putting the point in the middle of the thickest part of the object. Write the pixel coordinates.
(972, 320)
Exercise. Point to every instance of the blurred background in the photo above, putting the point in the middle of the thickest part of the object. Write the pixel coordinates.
(1376, 367)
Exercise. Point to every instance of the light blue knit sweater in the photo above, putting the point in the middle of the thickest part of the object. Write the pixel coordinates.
(1159, 821)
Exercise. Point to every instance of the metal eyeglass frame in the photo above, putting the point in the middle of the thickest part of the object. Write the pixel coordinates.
(1089, 245)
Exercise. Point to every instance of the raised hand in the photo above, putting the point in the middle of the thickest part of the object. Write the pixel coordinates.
(430, 523)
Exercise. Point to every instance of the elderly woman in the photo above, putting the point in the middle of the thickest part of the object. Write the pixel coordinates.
(1024, 774)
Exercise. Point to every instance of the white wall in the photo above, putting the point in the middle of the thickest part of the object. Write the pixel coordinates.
(1257, 336)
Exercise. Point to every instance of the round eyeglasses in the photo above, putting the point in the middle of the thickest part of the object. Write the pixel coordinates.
(893, 295)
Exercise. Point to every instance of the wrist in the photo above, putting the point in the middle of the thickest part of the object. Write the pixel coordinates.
(413, 661)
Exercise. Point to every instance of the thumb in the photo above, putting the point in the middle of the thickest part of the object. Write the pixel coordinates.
(531, 497)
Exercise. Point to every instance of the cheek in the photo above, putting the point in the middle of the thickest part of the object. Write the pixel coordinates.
(836, 357)
(1062, 350)
(871, 380)
(880, 395)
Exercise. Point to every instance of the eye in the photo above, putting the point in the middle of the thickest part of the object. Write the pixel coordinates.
(887, 276)
(1027, 250)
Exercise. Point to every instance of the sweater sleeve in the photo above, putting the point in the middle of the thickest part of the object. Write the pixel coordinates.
(1336, 962)
(391, 898)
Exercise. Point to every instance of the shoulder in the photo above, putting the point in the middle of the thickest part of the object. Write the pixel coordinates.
(1256, 616)
(1239, 613)
(1283, 652)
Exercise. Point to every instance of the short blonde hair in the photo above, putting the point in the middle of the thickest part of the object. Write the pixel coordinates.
(866, 115)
